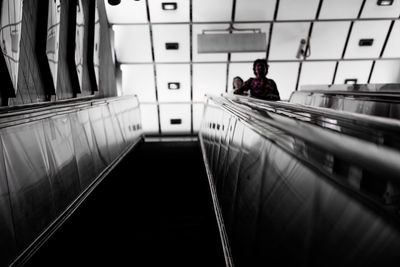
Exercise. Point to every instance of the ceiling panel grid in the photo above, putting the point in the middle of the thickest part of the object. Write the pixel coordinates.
(181, 14)
(392, 48)
(286, 38)
(211, 10)
(139, 80)
(141, 44)
(165, 34)
(175, 118)
(208, 79)
(254, 10)
(297, 9)
(169, 75)
(128, 48)
(359, 70)
(317, 73)
(127, 12)
(328, 39)
(340, 9)
(372, 10)
(375, 30)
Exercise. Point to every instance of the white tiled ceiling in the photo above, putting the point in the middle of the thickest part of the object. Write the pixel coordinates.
(157, 14)
(297, 10)
(393, 45)
(127, 47)
(253, 10)
(386, 71)
(340, 9)
(171, 112)
(208, 79)
(147, 66)
(372, 10)
(163, 34)
(285, 43)
(139, 80)
(328, 39)
(376, 30)
(353, 70)
(173, 73)
(317, 73)
(149, 116)
(127, 12)
(209, 10)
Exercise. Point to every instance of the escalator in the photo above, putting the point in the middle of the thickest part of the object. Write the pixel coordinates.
(153, 209)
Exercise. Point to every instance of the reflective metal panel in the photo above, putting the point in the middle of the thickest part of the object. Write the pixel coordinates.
(83, 156)
(287, 201)
(27, 170)
(7, 240)
(99, 135)
(63, 170)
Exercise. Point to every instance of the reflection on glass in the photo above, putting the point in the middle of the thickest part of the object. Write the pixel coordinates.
(53, 33)
(96, 50)
(79, 31)
(11, 17)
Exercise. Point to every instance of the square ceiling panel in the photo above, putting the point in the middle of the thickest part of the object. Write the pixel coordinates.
(243, 70)
(340, 9)
(392, 48)
(208, 79)
(313, 73)
(211, 10)
(139, 80)
(149, 118)
(372, 10)
(197, 116)
(386, 71)
(264, 27)
(180, 14)
(252, 10)
(127, 12)
(176, 36)
(198, 29)
(376, 30)
(286, 38)
(173, 82)
(328, 39)
(353, 70)
(175, 118)
(285, 77)
(127, 47)
(297, 9)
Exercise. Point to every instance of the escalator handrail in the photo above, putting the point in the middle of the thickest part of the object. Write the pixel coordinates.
(362, 153)
(33, 113)
(383, 123)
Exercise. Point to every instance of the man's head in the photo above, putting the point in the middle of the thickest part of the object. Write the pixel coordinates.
(237, 82)
(260, 67)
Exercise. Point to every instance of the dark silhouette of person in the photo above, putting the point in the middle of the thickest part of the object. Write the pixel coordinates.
(237, 82)
(260, 87)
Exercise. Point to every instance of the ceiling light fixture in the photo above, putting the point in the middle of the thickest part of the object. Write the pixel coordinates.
(385, 2)
(114, 2)
(174, 86)
(366, 42)
(176, 121)
(231, 40)
(172, 46)
(169, 6)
